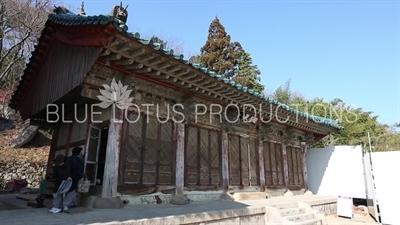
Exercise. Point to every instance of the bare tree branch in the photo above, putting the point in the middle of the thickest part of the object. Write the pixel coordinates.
(21, 23)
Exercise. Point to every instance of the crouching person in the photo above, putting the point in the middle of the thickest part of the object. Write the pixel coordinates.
(76, 162)
(62, 198)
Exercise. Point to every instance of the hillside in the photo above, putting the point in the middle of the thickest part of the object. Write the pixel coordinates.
(27, 162)
(35, 151)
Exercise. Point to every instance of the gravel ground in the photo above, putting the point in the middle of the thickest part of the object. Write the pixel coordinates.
(357, 220)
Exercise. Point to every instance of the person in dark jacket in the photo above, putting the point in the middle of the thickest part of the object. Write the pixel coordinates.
(62, 172)
(76, 162)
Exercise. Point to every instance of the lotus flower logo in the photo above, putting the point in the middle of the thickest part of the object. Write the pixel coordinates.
(115, 94)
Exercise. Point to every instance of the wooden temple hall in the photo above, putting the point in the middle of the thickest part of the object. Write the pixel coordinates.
(76, 55)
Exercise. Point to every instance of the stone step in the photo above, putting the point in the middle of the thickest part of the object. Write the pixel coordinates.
(238, 196)
(290, 205)
(292, 211)
(300, 217)
(310, 222)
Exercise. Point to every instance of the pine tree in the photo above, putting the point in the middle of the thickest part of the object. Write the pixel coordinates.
(219, 53)
(195, 59)
(248, 74)
(283, 93)
(158, 40)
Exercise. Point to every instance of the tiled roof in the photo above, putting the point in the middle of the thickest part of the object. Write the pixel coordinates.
(72, 20)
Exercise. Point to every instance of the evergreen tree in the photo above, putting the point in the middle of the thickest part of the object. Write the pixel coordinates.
(248, 74)
(357, 123)
(195, 59)
(156, 39)
(219, 53)
(283, 93)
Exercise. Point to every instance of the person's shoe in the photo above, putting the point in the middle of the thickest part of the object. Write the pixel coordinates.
(66, 209)
(56, 210)
(52, 209)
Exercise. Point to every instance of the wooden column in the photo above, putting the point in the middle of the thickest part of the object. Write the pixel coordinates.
(225, 162)
(261, 163)
(285, 165)
(305, 178)
(110, 182)
(180, 159)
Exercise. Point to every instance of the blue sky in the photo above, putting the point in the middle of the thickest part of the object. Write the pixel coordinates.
(329, 49)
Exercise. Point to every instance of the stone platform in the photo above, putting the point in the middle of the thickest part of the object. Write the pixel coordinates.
(209, 212)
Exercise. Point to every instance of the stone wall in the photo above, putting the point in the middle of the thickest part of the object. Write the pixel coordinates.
(32, 172)
(326, 209)
(253, 215)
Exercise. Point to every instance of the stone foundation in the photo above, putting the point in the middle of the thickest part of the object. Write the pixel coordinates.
(254, 215)
(326, 209)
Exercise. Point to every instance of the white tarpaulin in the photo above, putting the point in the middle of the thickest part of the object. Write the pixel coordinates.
(386, 172)
(336, 170)
(339, 170)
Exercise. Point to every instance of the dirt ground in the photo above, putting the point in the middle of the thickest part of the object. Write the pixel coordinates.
(359, 218)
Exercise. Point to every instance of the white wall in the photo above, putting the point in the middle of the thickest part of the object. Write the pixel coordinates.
(336, 170)
(386, 171)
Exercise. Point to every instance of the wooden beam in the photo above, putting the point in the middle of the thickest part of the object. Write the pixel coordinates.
(135, 66)
(163, 65)
(115, 43)
(110, 180)
(172, 68)
(93, 81)
(181, 72)
(125, 47)
(155, 73)
(105, 52)
(180, 159)
(261, 163)
(304, 165)
(136, 52)
(124, 62)
(111, 57)
(285, 165)
(155, 60)
(225, 162)
(145, 57)
(90, 93)
(143, 70)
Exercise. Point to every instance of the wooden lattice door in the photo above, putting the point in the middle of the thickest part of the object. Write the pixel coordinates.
(149, 153)
(202, 156)
(254, 166)
(132, 171)
(273, 164)
(235, 167)
(295, 166)
(243, 161)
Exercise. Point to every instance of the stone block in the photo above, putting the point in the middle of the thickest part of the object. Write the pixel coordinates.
(108, 203)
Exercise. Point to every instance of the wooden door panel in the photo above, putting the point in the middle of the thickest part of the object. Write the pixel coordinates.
(214, 155)
(133, 150)
(245, 158)
(166, 154)
(132, 173)
(279, 164)
(253, 162)
(267, 163)
(204, 157)
(234, 149)
(150, 150)
(192, 156)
